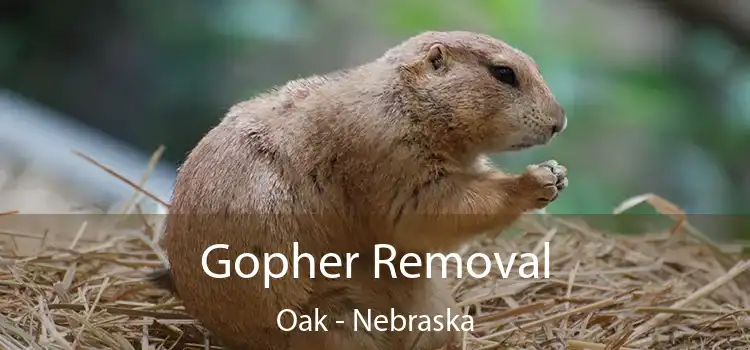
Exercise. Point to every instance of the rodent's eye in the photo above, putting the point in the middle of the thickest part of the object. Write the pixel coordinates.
(505, 75)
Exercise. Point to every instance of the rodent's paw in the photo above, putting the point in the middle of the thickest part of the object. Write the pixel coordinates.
(561, 174)
(543, 182)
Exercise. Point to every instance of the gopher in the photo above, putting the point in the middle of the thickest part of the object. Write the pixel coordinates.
(394, 152)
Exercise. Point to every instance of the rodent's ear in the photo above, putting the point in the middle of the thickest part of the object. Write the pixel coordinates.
(436, 56)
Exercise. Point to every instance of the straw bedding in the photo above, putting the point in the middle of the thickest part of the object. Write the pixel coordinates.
(663, 290)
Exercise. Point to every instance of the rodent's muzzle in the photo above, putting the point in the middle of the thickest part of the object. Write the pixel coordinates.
(542, 134)
(555, 129)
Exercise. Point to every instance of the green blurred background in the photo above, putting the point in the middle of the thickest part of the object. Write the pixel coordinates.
(657, 91)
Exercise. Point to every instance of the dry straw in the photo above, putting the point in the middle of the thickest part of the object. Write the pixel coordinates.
(669, 290)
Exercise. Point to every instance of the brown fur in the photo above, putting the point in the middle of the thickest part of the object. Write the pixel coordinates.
(392, 151)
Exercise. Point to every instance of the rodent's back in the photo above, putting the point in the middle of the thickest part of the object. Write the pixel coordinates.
(297, 149)
(288, 166)
(225, 194)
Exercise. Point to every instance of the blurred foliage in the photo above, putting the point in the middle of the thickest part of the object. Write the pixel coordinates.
(164, 72)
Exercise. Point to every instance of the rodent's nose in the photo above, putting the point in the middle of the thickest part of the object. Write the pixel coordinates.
(560, 127)
(562, 121)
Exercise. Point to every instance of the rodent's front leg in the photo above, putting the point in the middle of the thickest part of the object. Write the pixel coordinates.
(460, 205)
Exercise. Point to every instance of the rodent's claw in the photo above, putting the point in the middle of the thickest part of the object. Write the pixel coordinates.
(558, 170)
(545, 181)
(550, 163)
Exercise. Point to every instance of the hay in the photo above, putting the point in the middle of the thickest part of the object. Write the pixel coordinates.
(670, 290)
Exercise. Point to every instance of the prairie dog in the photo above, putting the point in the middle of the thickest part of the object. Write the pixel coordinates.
(389, 152)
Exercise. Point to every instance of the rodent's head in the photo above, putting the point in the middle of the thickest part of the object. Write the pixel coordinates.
(487, 93)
